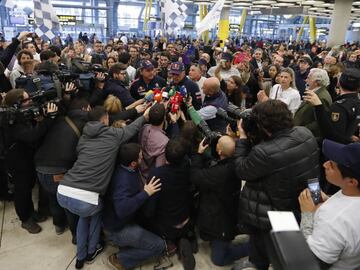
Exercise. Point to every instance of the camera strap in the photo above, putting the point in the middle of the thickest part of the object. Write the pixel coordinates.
(73, 126)
(57, 85)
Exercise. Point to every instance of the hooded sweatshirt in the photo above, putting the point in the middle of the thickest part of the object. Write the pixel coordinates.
(97, 150)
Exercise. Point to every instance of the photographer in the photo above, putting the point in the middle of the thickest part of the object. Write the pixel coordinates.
(22, 135)
(275, 171)
(56, 156)
(219, 197)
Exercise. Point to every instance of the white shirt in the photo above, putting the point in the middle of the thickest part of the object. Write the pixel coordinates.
(225, 74)
(336, 232)
(200, 83)
(290, 97)
(79, 194)
(131, 71)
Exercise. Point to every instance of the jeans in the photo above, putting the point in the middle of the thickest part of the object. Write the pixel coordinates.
(225, 252)
(61, 217)
(137, 245)
(89, 225)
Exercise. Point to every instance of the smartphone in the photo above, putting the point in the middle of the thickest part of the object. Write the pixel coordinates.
(315, 190)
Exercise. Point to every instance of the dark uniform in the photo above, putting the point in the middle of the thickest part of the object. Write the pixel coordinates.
(345, 115)
(139, 87)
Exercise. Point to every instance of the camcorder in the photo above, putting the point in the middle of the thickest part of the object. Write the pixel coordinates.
(233, 113)
(39, 103)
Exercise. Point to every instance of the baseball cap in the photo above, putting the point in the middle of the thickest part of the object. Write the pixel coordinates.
(146, 64)
(307, 59)
(346, 155)
(146, 51)
(176, 68)
(350, 79)
(227, 56)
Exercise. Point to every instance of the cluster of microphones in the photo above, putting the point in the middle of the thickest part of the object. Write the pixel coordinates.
(175, 95)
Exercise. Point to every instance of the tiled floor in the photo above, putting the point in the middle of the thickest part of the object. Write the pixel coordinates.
(46, 250)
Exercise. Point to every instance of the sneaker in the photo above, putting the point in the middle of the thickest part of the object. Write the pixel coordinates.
(38, 217)
(163, 263)
(244, 265)
(91, 257)
(186, 256)
(79, 264)
(60, 229)
(31, 226)
(114, 263)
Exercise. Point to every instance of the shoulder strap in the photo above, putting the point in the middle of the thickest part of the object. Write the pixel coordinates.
(73, 126)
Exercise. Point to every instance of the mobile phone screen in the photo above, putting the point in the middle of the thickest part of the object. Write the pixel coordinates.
(315, 190)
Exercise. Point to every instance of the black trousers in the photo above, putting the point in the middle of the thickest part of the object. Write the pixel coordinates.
(260, 243)
(24, 182)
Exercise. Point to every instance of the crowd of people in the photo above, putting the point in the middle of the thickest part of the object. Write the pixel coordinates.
(132, 159)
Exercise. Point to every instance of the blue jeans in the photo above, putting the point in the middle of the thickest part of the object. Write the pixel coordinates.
(89, 225)
(61, 216)
(225, 252)
(137, 245)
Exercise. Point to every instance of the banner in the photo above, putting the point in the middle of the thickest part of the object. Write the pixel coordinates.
(211, 19)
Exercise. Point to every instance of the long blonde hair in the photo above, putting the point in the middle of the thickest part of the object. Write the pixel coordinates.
(112, 104)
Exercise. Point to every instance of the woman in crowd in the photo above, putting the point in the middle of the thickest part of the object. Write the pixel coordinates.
(285, 91)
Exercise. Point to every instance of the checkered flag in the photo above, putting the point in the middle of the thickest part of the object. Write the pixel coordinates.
(47, 23)
(174, 15)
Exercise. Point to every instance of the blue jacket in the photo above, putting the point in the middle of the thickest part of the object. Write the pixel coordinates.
(125, 196)
(117, 88)
(219, 100)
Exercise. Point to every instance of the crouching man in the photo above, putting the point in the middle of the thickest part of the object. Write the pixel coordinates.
(124, 198)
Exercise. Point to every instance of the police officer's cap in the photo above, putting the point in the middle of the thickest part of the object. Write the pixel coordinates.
(350, 79)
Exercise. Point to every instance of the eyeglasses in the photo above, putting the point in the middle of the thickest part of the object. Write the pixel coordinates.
(123, 73)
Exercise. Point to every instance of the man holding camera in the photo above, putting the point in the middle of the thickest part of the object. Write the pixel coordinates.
(332, 227)
(219, 197)
(22, 135)
(275, 171)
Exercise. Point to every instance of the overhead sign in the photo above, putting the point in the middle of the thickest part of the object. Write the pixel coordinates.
(233, 27)
(67, 19)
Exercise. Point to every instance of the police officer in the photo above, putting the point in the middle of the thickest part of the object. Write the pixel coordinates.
(341, 124)
(177, 72)
(147, 80)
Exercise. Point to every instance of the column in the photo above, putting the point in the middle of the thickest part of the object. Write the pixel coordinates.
(312, 23)
(203, 11)
(224, 25)
(242, 21)
(339, 22)
(301, 31)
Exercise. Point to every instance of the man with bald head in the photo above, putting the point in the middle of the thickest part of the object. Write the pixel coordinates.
(214, 99)
(219, 195)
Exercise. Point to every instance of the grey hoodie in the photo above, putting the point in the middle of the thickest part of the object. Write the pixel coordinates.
(97, 150)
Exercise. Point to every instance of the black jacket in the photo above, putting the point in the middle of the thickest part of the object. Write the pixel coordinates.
(171, 206)
(219, 197)
(118, 89)
(58, 150)
(275, 172)
(5, 59)
(21, 141)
